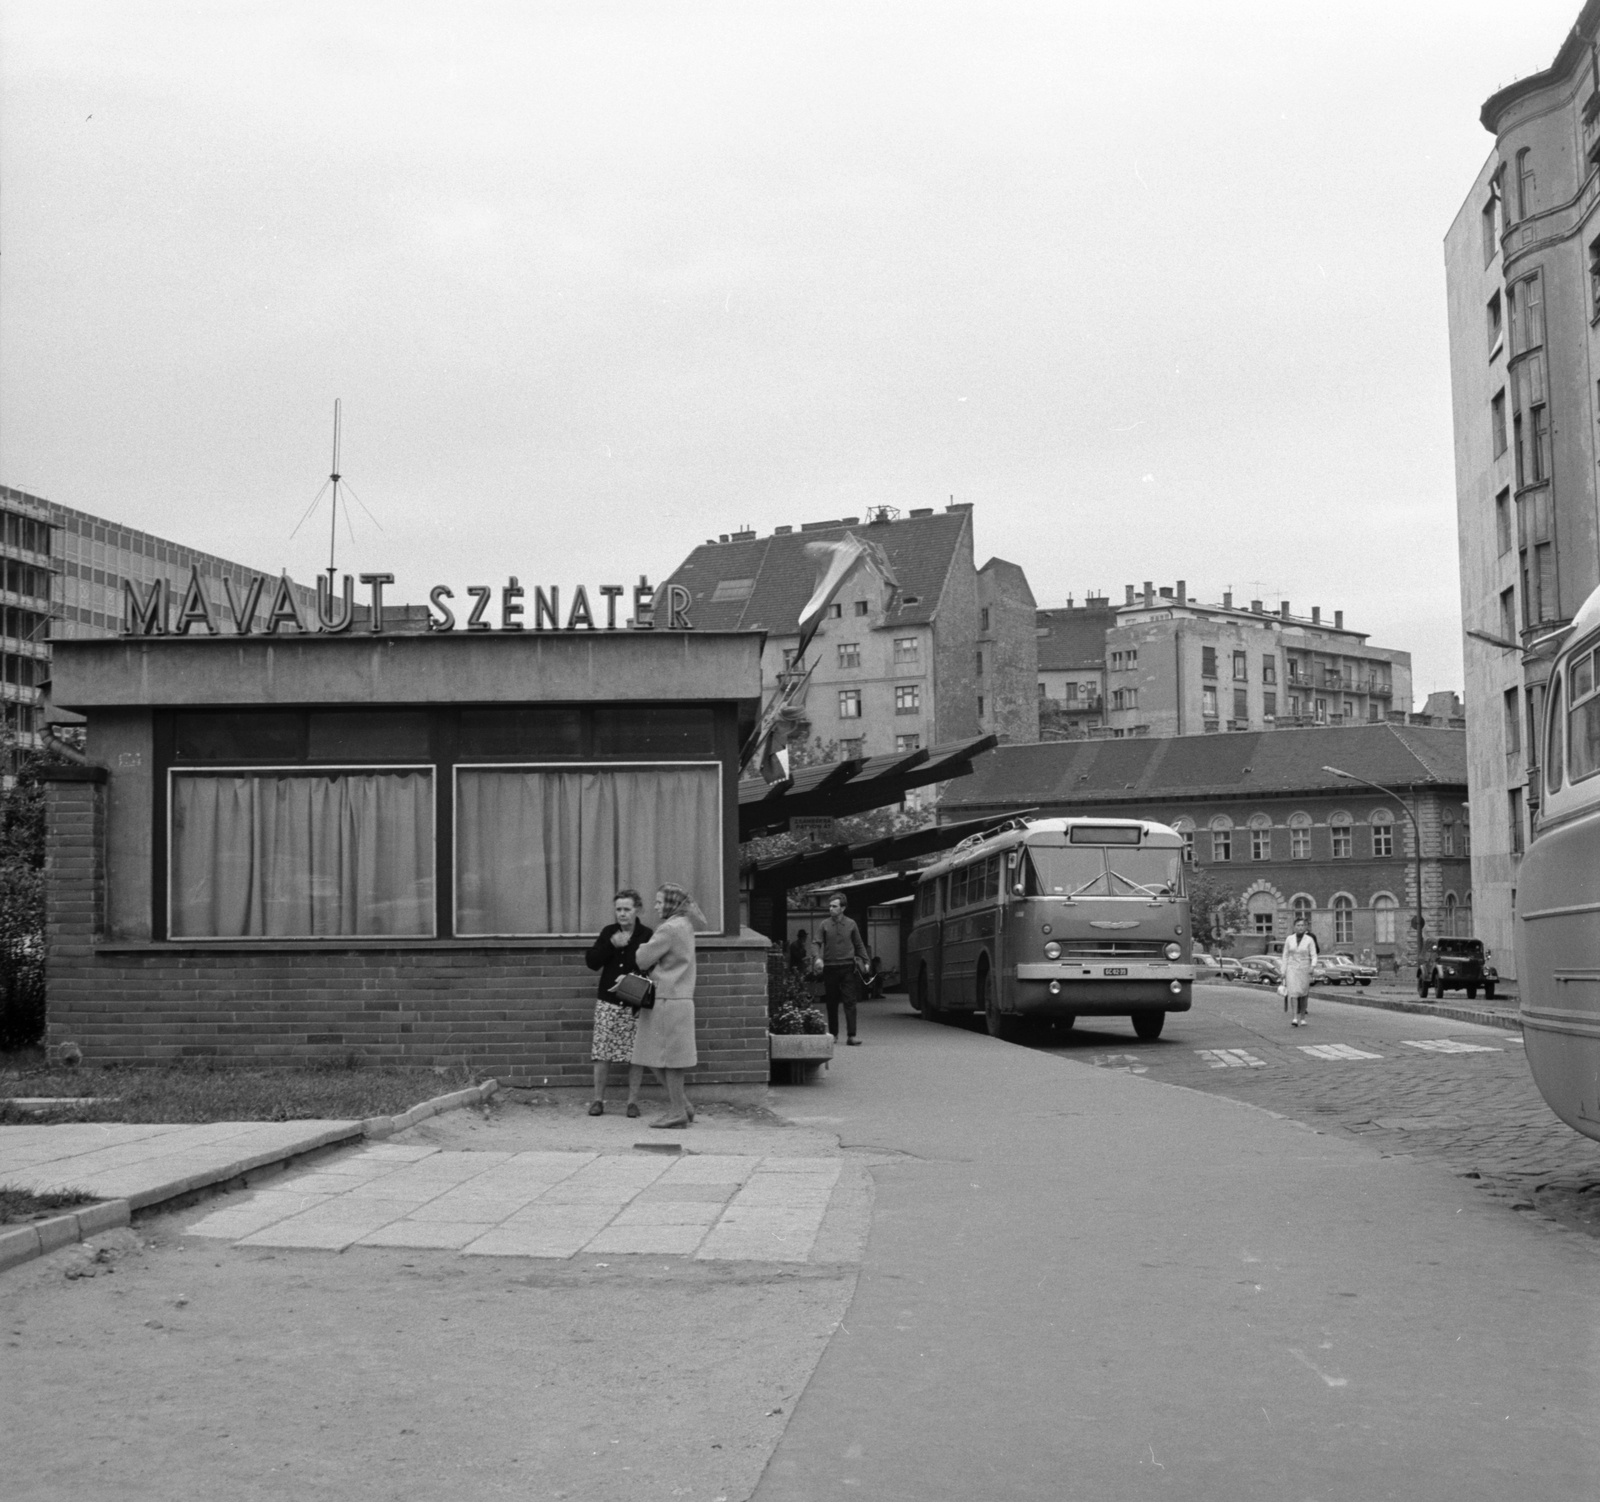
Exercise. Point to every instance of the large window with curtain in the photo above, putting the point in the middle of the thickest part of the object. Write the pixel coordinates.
(301, 852)
(541, 849)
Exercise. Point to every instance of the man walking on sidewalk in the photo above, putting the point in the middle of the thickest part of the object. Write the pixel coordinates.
(843, 949)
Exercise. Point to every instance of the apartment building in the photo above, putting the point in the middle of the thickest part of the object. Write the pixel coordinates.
(944, 653)
(1522, 275)
(63, 574)
(1072, 667)
(1176, 666)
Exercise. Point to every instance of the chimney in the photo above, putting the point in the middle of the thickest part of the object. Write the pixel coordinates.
(1255, 607)
(1129, 588)
(1283, 609)
(1338, 620)
(1227, 599)
(1149, 594)
(1316, 615)
(782, 531)
(1165, 592)
(1183, 593)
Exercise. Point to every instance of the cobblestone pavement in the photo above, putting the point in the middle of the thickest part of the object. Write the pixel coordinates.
(1423, 1086)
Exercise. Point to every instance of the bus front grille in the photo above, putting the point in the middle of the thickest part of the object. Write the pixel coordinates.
(1150, 948)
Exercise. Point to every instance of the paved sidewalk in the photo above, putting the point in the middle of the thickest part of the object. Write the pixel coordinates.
(146, 1164)
(536, 1203)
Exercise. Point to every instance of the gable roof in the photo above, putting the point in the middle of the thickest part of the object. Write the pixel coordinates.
(766, 581)
(1063, 774)
(1073, 639)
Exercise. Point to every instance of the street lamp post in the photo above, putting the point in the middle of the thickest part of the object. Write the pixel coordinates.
(1416, 841)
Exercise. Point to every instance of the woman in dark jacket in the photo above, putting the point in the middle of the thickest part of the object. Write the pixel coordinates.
(615, 953)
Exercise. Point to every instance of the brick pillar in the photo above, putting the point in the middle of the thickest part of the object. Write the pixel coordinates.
(75, 892)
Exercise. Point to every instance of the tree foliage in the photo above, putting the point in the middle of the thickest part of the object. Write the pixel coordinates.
(1216, 912)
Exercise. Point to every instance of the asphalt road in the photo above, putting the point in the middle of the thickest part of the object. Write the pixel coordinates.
(1082, 1283)
(1478, 1113)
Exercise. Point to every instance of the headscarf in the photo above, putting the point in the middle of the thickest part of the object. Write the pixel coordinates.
(675, 900)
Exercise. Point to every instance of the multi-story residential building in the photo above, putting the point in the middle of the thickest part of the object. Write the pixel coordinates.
(64, 573)
(932, 659)
(1268, 821)
(1522, 275)
(24, 645)
(1175, 666)
(1072, 667)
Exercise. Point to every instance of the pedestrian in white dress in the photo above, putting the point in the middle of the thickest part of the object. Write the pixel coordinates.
(1299, 954)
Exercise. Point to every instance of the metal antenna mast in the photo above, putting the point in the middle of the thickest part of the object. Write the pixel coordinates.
(333, 518)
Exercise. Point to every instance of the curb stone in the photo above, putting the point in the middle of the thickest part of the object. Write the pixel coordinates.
(1506, 1021)
(20, 1244)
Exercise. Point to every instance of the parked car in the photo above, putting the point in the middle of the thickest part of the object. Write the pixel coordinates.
(1264, 968)
(1350, 971)
(1456, 965)
(1230, 967)
(1207, 967)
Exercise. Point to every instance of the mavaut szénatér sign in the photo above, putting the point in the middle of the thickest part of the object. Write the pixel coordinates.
(157, 611)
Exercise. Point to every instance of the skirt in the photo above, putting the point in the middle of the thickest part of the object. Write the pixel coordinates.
(663, 1038)
(613, 1033)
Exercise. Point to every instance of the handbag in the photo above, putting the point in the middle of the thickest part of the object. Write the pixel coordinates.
(636, 991)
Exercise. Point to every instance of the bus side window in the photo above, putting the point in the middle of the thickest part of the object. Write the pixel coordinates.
(991, 877)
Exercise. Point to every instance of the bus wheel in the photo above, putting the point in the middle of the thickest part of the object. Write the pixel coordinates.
(1488, 992)
(999, 1024)
(1472, 993)
(1148, 1025)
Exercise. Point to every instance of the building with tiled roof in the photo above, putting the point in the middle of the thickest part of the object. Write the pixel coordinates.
(1263, 815)
(1071, 643)
(894, 668)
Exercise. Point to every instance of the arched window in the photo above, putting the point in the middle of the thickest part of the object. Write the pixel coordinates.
(1382, 822)
(1449, 929)
(1384, 909)
(1260, 837)
(1263, 910)
(1466, 834)
(1464, 917)
(1344, 919)
(1302, 907)
(1447, 833)
(1185, 827)
(1222, 838)
(1339, 832)
(1525, 183)
(1300, 837)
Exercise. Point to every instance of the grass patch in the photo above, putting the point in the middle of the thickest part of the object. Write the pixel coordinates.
(199, 1092)
(19, 1206)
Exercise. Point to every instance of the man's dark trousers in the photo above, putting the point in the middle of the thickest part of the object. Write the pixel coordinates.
(839, 985)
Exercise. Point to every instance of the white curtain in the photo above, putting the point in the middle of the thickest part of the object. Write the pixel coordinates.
(277, 855)
(543, 851)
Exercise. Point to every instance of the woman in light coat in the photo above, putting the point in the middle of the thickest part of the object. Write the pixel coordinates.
(1299, 954)
(663, 1039)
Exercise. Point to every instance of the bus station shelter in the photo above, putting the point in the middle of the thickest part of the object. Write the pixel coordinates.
(392, 847)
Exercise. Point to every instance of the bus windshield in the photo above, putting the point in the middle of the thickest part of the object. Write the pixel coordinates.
(1089, 871)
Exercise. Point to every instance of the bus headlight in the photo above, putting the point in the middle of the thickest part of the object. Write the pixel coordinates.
(1052, 950)
(1174, 951)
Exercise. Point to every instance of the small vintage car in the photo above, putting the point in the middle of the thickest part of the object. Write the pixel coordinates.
(1265, 968)
(1346, 970)
(1456, 965)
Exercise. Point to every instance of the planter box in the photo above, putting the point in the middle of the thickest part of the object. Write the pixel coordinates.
(796, 1057)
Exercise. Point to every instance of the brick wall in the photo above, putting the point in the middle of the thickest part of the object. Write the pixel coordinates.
(522, 1013)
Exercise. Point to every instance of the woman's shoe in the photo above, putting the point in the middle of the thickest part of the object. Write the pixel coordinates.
(633, 1108)
(597, 1108)
(690, 1110)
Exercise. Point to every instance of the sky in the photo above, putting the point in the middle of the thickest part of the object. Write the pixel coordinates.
(1158, 289)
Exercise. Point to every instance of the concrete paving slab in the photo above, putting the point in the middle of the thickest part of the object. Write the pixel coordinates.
(660, 1241)
(255, 1213)
(438, 1235)
(667, 1213)
(544, 1231)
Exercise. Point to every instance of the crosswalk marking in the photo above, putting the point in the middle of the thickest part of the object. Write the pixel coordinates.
(1336, 1051)
(1448, 1045)
(1230, 1058)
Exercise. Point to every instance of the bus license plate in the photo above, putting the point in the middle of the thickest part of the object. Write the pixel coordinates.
(1117, 970)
